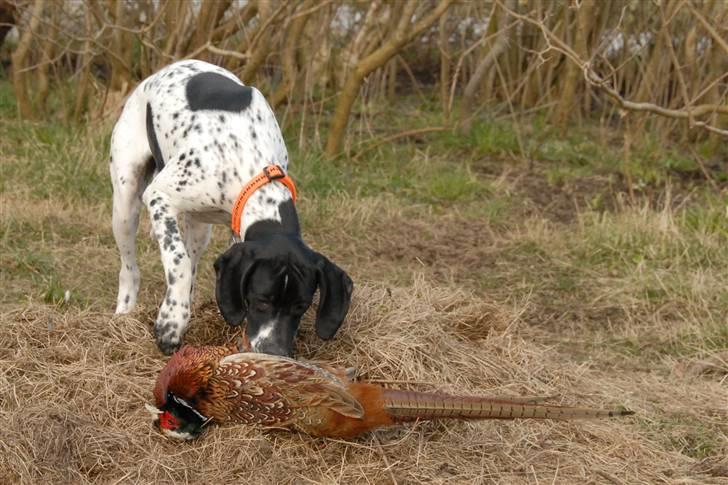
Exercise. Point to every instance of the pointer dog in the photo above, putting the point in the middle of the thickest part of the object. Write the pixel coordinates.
(195, 145)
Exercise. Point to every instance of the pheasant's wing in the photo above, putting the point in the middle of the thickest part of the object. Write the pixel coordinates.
(273, 379)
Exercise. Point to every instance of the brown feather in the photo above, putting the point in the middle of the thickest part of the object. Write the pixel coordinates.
(411, 405)
(188, 371)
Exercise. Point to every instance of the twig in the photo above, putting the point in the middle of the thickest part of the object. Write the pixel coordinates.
(594, 79)
(385, 460)
(225, 52)
(703, 168)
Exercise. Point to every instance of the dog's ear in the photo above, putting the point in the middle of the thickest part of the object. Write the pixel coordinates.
(232, 269)
(335, 289)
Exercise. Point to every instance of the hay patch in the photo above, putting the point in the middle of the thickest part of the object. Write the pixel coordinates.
(73, 384)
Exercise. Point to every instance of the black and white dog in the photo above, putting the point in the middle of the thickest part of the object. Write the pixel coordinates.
(189, 139)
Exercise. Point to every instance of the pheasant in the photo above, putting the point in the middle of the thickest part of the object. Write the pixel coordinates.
(200, 385)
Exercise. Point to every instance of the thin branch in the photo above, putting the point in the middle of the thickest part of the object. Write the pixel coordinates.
(687, 112)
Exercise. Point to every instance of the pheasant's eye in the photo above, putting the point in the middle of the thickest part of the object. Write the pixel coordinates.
(167, 421)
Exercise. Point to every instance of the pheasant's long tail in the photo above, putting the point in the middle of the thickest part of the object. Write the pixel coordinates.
(411, 405)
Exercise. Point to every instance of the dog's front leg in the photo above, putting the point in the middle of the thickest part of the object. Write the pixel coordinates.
(174, 314)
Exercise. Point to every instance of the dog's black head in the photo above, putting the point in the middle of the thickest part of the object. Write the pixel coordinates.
(271, 282)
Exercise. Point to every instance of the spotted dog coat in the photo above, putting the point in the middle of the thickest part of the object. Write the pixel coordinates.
(188, 139)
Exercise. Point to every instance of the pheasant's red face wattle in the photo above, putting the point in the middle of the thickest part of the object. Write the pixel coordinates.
(167, 421)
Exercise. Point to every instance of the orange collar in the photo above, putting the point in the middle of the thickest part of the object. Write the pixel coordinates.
(269, 174)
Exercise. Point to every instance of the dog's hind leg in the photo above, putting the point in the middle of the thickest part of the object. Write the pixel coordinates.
(131, 167)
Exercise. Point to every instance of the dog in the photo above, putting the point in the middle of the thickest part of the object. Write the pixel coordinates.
(198, 147)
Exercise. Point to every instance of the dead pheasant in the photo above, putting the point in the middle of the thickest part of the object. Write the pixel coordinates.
(200, 385)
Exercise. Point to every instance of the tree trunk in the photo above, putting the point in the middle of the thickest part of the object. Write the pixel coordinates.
(211, 11)
(443, 44)
(7, 19)
(584, 22)
(84, 82)
(258, 50)
(500, 45)
(288, 57)
(20, 81)
(120, 73)
(373, 61)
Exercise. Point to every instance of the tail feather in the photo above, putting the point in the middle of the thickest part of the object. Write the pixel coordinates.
(411, 405)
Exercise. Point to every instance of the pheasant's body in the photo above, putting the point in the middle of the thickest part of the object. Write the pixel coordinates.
(271, 391)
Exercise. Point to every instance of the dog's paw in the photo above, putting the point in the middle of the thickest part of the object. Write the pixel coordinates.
(168, 344)
(167, 337)
(122, 309)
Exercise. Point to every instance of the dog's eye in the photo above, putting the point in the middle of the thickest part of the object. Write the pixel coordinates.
(299, 308)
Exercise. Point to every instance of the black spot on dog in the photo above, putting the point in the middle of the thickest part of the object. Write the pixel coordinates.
(197, 162)
(182, 157)
(209, 90)
(171, 225)
(152, 139)
(170, 280)
(126, 299)
(222, 118)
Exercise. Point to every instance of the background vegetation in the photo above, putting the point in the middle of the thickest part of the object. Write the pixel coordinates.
(531, 197)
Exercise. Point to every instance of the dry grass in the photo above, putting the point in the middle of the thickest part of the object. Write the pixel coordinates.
(74, 381)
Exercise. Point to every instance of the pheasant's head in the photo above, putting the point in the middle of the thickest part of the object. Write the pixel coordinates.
(177, 418)
(180, 387)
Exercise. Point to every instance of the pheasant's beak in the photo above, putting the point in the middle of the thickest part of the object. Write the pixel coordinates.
(152, 410)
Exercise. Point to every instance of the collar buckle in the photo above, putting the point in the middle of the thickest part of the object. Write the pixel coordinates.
(273, 172)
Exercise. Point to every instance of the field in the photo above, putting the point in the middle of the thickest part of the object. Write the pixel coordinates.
(511, 262)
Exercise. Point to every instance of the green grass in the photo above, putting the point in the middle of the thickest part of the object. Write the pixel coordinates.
(7, 99)
(396, 170)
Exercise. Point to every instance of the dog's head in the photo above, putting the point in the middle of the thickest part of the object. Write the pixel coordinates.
(271, 283)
